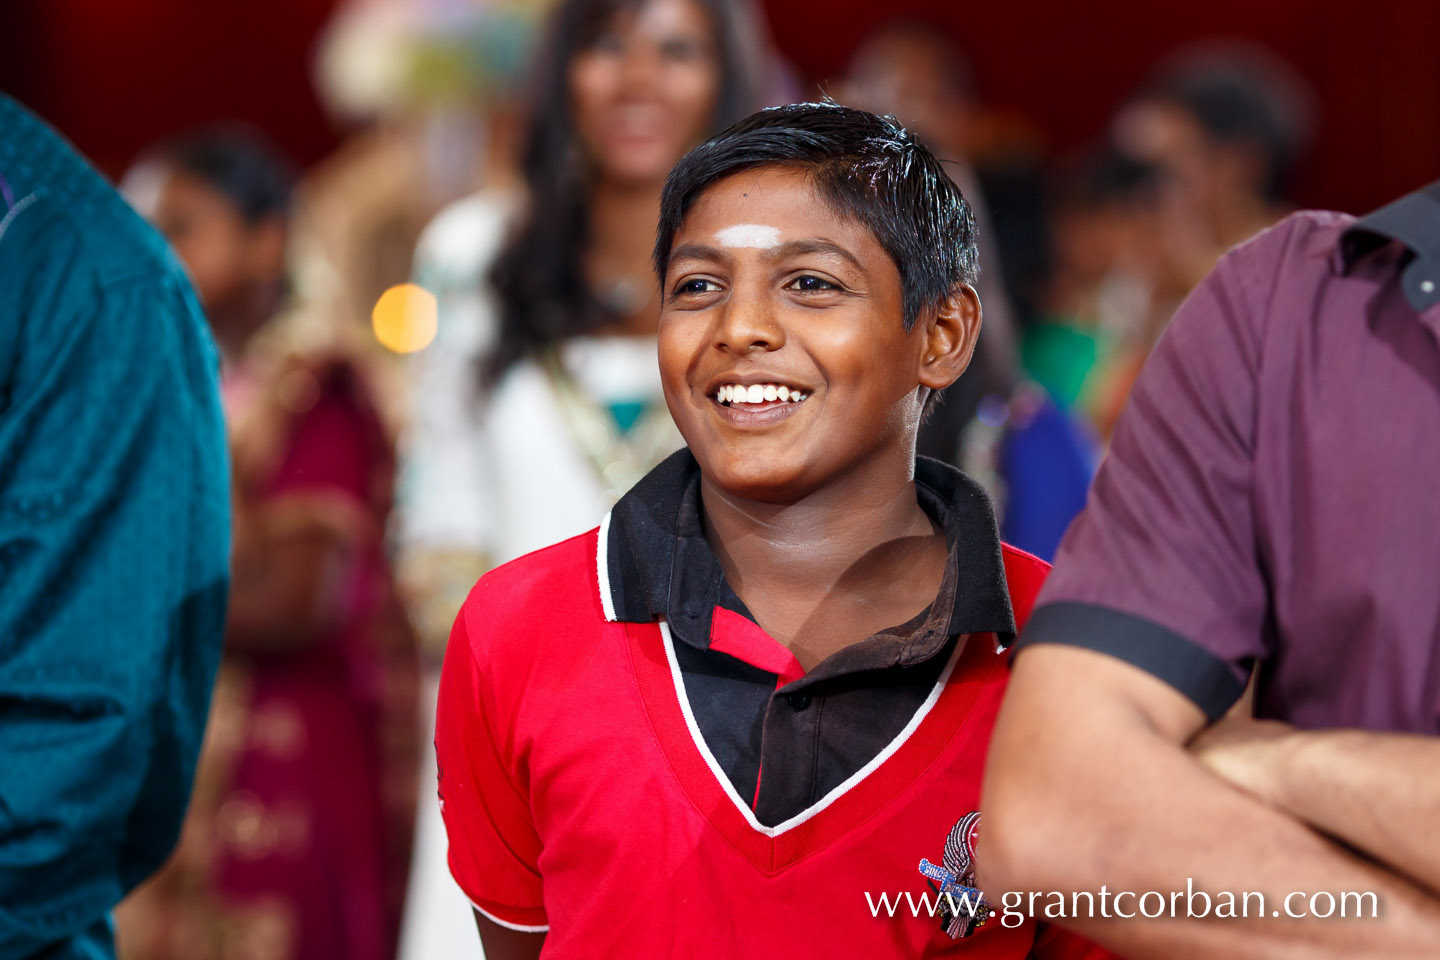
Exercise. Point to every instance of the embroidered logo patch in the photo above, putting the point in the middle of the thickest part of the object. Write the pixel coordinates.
(963, 909)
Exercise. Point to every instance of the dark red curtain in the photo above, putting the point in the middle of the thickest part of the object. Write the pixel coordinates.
(1375, 68)
(116, 74)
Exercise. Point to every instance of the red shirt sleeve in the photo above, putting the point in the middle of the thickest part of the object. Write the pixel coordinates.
(494, 848)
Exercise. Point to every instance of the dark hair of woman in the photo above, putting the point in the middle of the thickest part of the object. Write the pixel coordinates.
(539, 278)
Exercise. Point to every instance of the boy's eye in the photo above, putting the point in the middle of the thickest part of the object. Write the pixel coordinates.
(810, 283)
(695, 285)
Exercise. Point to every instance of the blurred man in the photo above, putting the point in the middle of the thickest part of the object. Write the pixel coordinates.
(1268, 507)
(114, 533)
(1107, 295)
(921, 76)
(1225, 124)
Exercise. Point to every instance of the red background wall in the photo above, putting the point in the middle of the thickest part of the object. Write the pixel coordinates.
(1375, 67)
(116, 74)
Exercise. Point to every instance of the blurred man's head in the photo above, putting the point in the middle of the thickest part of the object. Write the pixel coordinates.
(1220, 121)
(1103, 213)
(920, 75)
(222, 199)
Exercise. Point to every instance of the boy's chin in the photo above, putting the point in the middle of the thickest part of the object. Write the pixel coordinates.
(753, 479)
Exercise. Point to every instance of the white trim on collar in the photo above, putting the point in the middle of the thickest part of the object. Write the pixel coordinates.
(835, 793)
(602, 569)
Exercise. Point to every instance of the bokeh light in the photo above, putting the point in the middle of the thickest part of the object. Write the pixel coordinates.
(405, 318)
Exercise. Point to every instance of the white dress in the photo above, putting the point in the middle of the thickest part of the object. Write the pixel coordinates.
(534, 461)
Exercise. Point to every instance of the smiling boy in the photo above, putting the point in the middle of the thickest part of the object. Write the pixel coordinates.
(743, 711)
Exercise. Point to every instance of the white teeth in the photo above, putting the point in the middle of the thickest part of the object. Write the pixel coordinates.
(731, 393)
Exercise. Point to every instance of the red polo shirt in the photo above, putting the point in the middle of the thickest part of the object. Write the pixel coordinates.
(582, 798)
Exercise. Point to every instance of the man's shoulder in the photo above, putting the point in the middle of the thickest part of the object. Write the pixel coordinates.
(1303, 245)
(1264, 291)
(1306, 229)
(102, 241)
(63, 214)
(92, 280)
(84, 259)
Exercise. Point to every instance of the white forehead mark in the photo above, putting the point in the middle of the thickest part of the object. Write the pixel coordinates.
(752, 235)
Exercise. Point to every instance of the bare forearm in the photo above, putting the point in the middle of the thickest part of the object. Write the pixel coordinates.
(1080, 795)
(1378, 792)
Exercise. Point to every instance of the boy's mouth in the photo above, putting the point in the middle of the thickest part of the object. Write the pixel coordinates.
(756, 394)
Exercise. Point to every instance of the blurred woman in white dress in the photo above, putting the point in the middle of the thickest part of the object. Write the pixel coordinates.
(539, 402)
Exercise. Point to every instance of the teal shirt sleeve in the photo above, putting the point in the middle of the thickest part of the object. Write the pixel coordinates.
(114, 543)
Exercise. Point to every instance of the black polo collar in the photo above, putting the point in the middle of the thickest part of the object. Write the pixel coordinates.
(1413, 221)
(654, 561)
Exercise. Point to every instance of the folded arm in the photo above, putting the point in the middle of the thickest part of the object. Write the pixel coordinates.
(1089, 785)
(1377, 792)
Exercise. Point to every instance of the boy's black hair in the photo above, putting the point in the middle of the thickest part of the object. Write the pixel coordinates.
(868, 168)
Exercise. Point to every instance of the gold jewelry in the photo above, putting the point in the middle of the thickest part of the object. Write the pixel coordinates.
(619, 459)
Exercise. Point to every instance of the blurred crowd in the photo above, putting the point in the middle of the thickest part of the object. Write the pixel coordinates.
(439, 354)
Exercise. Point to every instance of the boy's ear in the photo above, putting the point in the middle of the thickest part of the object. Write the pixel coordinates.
(950, 337)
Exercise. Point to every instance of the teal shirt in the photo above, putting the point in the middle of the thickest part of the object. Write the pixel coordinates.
(114, 543)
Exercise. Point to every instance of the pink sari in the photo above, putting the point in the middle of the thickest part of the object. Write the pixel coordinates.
(296, 847)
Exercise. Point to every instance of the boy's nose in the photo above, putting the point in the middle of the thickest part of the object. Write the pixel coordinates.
(747, 323)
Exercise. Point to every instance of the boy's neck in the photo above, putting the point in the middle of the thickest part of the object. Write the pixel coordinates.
(835, 567)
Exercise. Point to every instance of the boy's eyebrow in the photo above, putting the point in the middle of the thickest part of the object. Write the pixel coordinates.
(794, 248)
(797, 248)
(697, 251)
